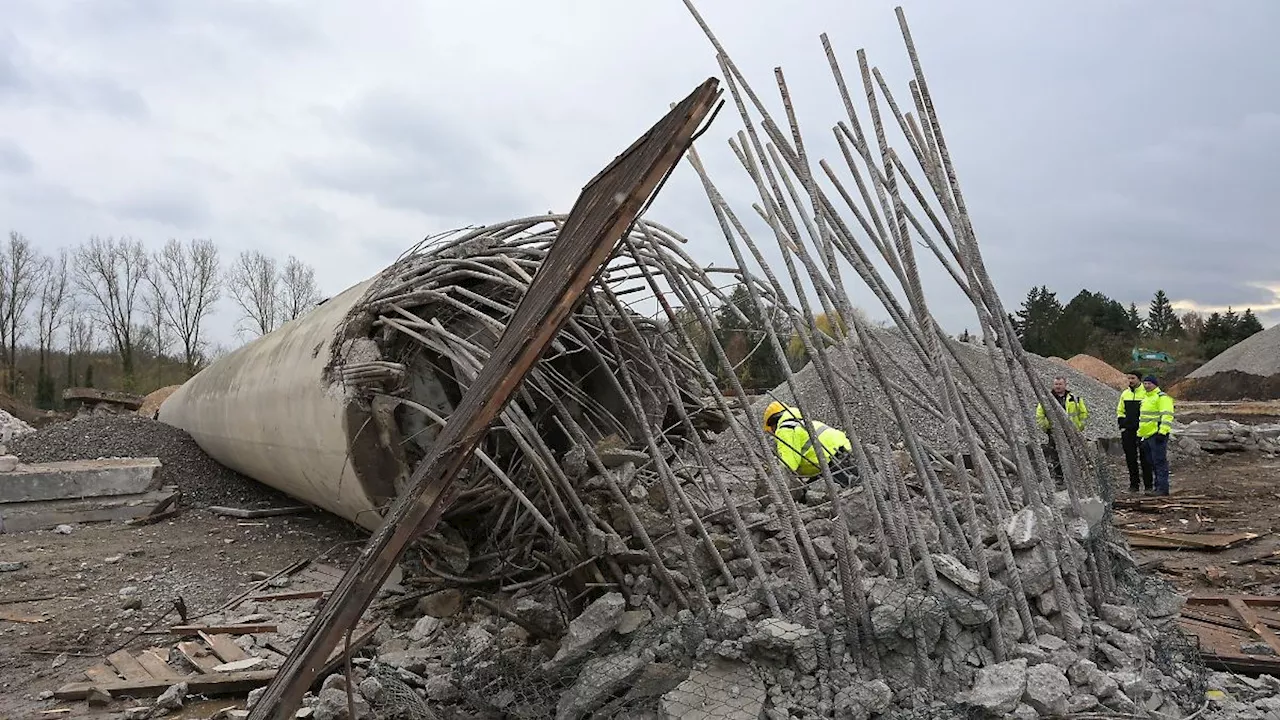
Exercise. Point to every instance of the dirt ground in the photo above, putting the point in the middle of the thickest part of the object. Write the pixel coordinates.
(1231, 493)
(203, 558)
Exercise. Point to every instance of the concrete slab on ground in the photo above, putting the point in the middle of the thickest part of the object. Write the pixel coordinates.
(23, 517)
(78, 479)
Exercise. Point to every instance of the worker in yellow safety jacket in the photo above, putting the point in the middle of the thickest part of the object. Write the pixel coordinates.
(796, 449)
(1127, 411)
(1077, 412)
(1155, 422)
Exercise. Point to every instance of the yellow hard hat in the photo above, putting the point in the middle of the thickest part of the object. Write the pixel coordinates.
(772, 412)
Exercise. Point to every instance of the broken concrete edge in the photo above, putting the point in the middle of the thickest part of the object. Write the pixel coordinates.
(78, 479)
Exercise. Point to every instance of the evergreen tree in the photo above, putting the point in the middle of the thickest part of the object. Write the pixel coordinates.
(1134, 319)
(1037, 321)
(1216, 336)
(1162, 321)
(1249, 325)
(88, 375)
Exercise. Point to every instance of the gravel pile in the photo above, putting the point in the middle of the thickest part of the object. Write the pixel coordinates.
(1257, 355)
(202, 480)
(864, 412)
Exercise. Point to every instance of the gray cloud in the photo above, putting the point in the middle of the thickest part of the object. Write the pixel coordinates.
(13, 159)
(24, 81)
(175, 208)
(413, 158)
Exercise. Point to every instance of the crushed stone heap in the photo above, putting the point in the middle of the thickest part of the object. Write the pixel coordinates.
(1248, 370)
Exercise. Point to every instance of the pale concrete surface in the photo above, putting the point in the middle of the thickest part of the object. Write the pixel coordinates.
(78, 479)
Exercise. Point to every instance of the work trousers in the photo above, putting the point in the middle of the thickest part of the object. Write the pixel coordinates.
(844, 469)
(1136, 460)
(1155, 450)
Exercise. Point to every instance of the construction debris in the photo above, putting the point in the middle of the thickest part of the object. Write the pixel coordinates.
(1219, 436)
(623, 542)
(49, 495)
(84, 401)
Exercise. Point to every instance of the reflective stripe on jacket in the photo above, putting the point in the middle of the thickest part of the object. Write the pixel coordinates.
(1130, 406)
(1157, 414)
(1076, 411)
(796, 449)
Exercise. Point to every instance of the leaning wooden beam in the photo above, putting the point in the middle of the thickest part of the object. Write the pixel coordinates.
(604, 212)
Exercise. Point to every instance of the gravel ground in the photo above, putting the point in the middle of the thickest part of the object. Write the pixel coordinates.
(818, 403)
(1257, 355)
(202, 480)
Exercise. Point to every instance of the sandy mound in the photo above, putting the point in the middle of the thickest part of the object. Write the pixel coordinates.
(151, 403)
(1100, 370)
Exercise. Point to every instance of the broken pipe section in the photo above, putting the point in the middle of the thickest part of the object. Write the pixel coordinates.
(271, 411)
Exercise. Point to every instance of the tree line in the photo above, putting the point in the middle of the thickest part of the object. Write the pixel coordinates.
(1097, 325)
(115, 296)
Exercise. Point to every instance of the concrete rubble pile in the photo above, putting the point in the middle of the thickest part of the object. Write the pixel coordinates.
(1220, 436)
(602, 559)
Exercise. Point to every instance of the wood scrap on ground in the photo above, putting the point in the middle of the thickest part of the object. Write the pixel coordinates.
(1201, 541)
(1229, 626)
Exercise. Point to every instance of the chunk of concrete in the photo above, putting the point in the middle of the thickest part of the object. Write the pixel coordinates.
(1025, 529)
(949, 567)
(1047, 689)
(999, 688)
(1121, 617)
(589, 630)
(78, 479)
(723, 690)
(862, 700)
(599, 680)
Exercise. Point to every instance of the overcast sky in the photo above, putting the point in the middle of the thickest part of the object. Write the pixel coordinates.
(1115, 145)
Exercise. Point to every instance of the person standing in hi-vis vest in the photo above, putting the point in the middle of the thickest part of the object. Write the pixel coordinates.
(1155, 422)
(796, 449)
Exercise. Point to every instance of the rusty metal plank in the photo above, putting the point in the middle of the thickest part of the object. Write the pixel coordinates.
(604, 212)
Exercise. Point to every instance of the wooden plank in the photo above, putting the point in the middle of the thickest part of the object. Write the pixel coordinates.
(101, 673)
(259, 513)
(1207, 599)
(1256, 625)
(224, 647)
(602, 215)
(245, 629)
(156, 661)
(1198, 541)
(290, 570)
(128, 668)
(299, 595)
(219, 684)
(199, 655)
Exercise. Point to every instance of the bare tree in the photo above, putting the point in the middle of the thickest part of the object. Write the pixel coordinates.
(50, 316)
(110, 273)
(188, 275)
(80, 338)
(156, 332)
(21, 268)
(298, 290)
(255, 286)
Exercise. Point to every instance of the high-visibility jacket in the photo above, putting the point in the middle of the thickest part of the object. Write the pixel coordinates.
(1075, 408)
(1156, 417)
(1129, 407)
(795, 447)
